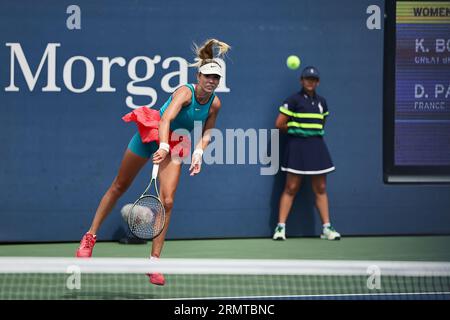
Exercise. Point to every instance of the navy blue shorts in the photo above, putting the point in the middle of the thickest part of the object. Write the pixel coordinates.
(307, 156)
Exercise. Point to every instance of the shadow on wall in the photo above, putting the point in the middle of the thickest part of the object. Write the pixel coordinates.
(120, 232)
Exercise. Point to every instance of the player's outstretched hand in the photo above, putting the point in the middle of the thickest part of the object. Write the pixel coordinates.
(196, 165)
(159, 156)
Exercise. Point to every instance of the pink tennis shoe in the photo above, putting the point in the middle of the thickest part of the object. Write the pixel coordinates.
(86, 246)
(156, 278)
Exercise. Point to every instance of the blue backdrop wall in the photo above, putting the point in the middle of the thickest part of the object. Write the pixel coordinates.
(60, 149)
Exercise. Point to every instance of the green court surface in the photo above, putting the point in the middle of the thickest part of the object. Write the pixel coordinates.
(423, 248)
(38, 286)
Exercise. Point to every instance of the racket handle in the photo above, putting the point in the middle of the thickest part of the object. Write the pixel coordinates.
(155, 171)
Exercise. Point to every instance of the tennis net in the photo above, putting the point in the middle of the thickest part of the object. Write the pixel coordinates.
(124, 278)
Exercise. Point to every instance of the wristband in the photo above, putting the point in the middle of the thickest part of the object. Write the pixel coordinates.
(198, 151)
(164, 146)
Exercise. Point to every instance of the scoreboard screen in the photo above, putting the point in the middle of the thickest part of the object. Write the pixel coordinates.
(417, 92)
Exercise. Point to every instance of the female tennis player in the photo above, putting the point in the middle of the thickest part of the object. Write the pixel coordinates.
(303, 116)
(189, 103)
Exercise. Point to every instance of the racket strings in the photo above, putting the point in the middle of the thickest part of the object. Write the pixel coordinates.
(146, 218)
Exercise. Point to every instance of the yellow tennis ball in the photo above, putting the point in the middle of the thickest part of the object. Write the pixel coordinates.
(293, 62)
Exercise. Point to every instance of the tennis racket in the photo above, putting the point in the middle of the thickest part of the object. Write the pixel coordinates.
(147, 215)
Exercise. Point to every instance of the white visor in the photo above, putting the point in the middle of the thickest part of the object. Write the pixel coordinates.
(211, 68)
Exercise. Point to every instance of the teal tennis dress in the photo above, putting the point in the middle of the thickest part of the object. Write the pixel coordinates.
(146, 141)
(306, 152)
